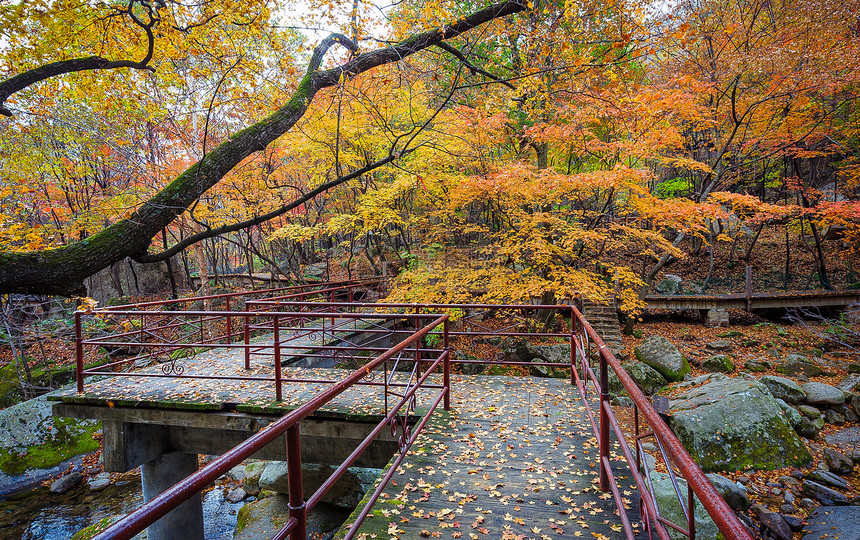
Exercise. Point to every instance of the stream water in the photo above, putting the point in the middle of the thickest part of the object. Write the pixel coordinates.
(38, 515)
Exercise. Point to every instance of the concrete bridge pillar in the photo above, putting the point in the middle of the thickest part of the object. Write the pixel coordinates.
(184, 522)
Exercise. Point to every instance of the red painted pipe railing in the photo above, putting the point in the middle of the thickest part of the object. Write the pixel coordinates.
(281, 346)
(150, 512)
(671, 448)
(581, 336)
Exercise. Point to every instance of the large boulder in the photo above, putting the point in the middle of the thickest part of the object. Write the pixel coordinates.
(733, 493)
(718, 363)
(841, 522)
(670, 285)
(734, 425)
(556, 353)
(346, 493)
(31, 439)
(659, 353)
(670, 507)
(784, 389)
(647, 378)
(823, 394)
(265, 517)
(797, 364)
(847, 441)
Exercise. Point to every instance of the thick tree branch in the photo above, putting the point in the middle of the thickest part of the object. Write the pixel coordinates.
(90, 63)
(54, 69)
(224, 229)
(61, 271)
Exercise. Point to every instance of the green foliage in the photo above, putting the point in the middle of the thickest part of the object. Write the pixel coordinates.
(673, 188)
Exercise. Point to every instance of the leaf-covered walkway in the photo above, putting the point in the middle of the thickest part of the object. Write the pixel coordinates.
(514, 458)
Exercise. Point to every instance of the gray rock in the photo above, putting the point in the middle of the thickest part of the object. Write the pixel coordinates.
(346, 493)
(847, 412)
(720, 363)
(265, 517)
(794, 522)
(842, 522)
(733, 493)
(99, 482)
(555, 354)
(30, 426)
(647, 378)
(828, 478)
(807, 504)
(539, 371)
(838, 462)
(315, 271)
(794, 418)
(720, 345)
(850, 383)
(754, 366)
(275, 477)
(734, 425)
(251, 482)
(670, 285)
(470, 367)
(659, 353)
(236, 495)
(67, 482)
(237, 473)
(823, 394)
(823, 494)
(777, 526)
(783, 388)
(670, 508)
(809, 411)
(807, 428)
(797, 364)
(833, 417)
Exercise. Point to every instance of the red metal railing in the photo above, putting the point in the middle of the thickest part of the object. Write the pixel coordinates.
(289, 424)
(287, 329)
(581, 338)
(672, 452)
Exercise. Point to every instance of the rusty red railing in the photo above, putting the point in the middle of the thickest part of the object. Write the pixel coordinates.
(587, 352)
(672, 452)
(294, 529)
(581, 336)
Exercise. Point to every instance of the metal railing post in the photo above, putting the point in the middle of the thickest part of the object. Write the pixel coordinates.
(247, 333)
(79, 352)
(446, 366)
(604, 419)
(294, 472)
(277, 345)
(229, 321)
(572, 346)
(418, 344)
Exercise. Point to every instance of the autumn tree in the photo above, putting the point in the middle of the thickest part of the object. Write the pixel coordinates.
(103, 45)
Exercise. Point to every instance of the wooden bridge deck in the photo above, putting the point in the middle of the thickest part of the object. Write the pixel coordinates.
(754, 300)
(515, 458)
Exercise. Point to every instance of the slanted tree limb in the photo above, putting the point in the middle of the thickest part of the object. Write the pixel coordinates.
(61, 271)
